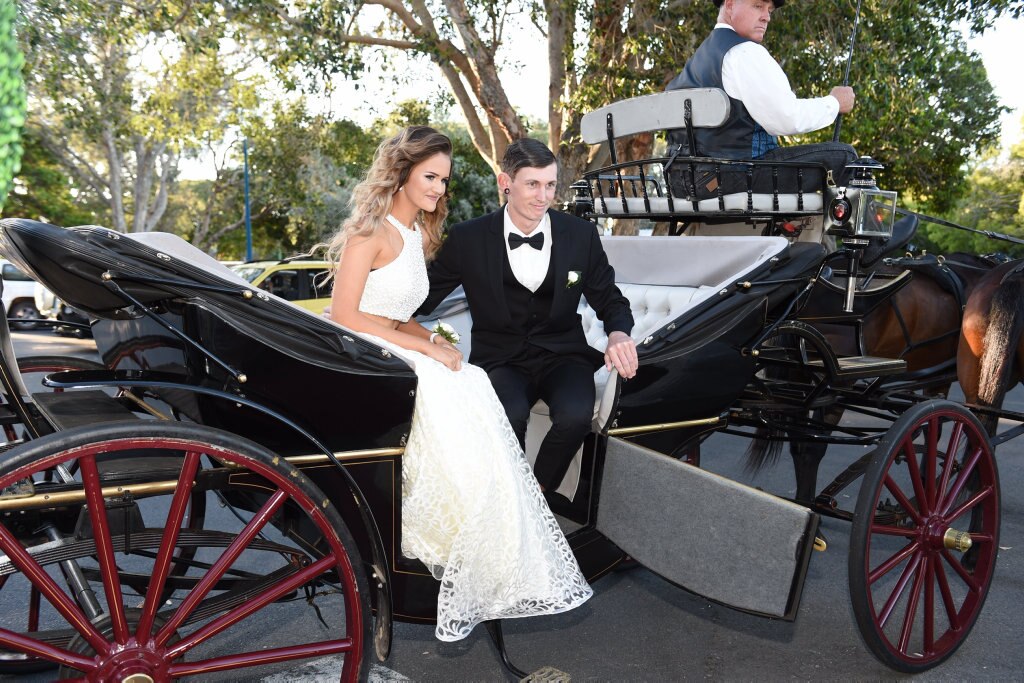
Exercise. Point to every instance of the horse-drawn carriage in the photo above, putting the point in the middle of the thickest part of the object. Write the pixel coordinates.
(234, 455)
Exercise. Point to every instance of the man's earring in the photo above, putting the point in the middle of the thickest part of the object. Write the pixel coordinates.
(506, 190)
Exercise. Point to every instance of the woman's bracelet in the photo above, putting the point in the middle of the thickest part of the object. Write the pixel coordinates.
(433, 336)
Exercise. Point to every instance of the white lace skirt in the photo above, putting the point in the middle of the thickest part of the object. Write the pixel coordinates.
(472, 510)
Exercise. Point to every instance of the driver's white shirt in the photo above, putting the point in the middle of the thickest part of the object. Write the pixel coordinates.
(751, 75)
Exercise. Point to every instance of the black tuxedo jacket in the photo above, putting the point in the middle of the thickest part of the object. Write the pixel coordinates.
(473, 255)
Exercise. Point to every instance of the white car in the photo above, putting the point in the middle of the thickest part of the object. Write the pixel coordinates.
(19, 296)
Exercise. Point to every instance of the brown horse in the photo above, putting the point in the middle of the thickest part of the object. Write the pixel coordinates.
(991, 352)
(919, 323)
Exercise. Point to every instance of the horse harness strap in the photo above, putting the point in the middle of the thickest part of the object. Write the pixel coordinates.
(935, 269)
(1019, 268)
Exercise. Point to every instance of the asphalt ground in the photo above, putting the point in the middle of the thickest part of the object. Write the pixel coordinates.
(638, 627)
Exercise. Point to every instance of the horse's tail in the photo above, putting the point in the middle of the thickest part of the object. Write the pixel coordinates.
(764, 448)
(1005, 324)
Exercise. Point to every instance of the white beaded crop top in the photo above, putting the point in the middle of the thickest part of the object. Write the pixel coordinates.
(396, 290)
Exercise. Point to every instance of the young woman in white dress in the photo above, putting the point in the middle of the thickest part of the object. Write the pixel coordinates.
(472, 510)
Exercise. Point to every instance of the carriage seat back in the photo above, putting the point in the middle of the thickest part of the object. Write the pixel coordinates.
(661, 111)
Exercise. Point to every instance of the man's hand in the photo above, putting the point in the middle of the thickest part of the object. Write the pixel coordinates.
(621, 354)
(844, 95)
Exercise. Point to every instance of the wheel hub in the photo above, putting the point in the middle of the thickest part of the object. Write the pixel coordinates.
(133, 663)
(937, 535)
(137, 678)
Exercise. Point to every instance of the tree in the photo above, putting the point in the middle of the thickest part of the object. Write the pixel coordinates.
(924, 106)
(43, 191)
(12, 98)
(994, 201)
(121, 90)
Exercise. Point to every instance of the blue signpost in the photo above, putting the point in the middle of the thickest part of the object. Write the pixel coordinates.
(248, 222)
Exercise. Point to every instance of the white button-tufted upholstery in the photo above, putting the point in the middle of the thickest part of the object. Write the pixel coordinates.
(653, 306)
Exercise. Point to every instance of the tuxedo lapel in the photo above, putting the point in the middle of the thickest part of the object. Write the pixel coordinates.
(494, 259)
(561, 251)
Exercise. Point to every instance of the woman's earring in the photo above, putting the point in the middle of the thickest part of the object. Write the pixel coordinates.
(401, 188)
(506, 190)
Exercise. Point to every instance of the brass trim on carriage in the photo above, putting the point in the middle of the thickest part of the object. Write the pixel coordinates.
(60, 498)
(663, 426)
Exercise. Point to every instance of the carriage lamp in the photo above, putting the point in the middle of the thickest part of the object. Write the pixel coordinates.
(861, 209)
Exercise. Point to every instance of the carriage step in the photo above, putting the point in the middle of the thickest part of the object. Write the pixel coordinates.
(857, 367)
(71, 409)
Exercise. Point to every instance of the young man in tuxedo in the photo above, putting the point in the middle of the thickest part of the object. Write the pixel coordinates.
(524, 269)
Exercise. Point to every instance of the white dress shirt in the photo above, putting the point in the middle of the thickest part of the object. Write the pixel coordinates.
(751, 75)
(529, 265)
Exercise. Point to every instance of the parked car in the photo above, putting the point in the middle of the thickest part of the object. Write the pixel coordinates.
(299, 280)
(52, 308)
(18, 296)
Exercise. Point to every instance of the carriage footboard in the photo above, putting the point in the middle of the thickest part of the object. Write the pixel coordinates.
(720, 539)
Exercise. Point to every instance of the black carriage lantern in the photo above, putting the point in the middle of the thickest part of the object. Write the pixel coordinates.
(582, 203)
(861, 210)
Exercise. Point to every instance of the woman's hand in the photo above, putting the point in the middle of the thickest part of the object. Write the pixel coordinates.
(446, 354)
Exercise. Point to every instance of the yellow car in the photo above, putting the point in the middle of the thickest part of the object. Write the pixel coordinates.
(303, 282)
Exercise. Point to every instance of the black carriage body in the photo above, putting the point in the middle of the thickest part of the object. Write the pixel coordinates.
(243, 361)
(695, 366)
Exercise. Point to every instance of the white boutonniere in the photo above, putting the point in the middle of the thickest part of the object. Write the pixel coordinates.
(447, 331)
(574, 278)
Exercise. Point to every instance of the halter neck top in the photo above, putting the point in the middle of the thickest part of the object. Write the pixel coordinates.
(397, 289)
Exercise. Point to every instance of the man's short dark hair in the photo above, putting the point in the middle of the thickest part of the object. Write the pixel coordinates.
(526, 153)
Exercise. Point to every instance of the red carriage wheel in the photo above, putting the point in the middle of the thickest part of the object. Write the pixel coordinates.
(231, 602)
(925, 536)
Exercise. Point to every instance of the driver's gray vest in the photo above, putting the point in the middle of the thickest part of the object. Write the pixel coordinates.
(740, 137)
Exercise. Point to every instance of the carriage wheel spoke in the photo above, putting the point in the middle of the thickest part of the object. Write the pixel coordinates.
(915, 596)
(267, 596)
(923, 504)
(887, 566)
(49, 588)
(901, 498)
(168, 542)
(929, 605)
(270, 656)
(104, 546)
(955, 436)
(227, 558)
(19, 642)
(886, 530)
(901, 585)
(931, 458)
(947, 594)
(968, 504)
(973, 585)
(960, 481)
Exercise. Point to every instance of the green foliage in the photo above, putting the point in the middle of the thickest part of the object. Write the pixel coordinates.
(12, 98)
(994, 201)
(924, 104)
(43, 191)
(122, 90)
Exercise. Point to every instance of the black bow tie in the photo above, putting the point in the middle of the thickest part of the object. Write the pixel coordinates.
(515, 241)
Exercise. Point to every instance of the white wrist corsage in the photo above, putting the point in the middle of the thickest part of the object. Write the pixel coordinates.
(574, 279)
(447, 331)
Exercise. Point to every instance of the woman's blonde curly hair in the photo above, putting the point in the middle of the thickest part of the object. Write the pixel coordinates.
(372, 198)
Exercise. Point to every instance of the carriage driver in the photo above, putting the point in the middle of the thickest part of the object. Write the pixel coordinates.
(763, 106)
